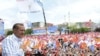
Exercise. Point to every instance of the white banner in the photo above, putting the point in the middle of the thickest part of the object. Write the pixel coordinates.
(28, 6)
(1, 27)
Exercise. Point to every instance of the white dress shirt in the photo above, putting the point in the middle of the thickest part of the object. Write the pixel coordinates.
(11, 46)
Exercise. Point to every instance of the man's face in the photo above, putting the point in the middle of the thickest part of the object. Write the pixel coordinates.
(20, 31)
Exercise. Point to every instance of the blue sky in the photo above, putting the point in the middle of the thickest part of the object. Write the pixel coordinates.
(56, 12)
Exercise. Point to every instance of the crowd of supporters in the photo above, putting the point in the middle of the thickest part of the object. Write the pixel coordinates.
(83, 44)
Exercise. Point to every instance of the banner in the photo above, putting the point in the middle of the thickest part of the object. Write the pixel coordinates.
(39, 31)
(25, 6)
(1, 27)
(52, 29)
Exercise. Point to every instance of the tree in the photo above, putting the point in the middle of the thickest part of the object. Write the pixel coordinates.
(28, 31)
(9, 32)
(97, 29)
(80, 30)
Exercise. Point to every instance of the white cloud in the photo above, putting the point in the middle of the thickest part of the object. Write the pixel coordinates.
(6, 5)
(9, 17)
(7, 23)
(84, 6)
(56, 14)
(80, 10)
(85, 10)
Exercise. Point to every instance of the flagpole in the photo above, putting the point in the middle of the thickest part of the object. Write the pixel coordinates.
(69, 21)
(45, 23)
(41, 4)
